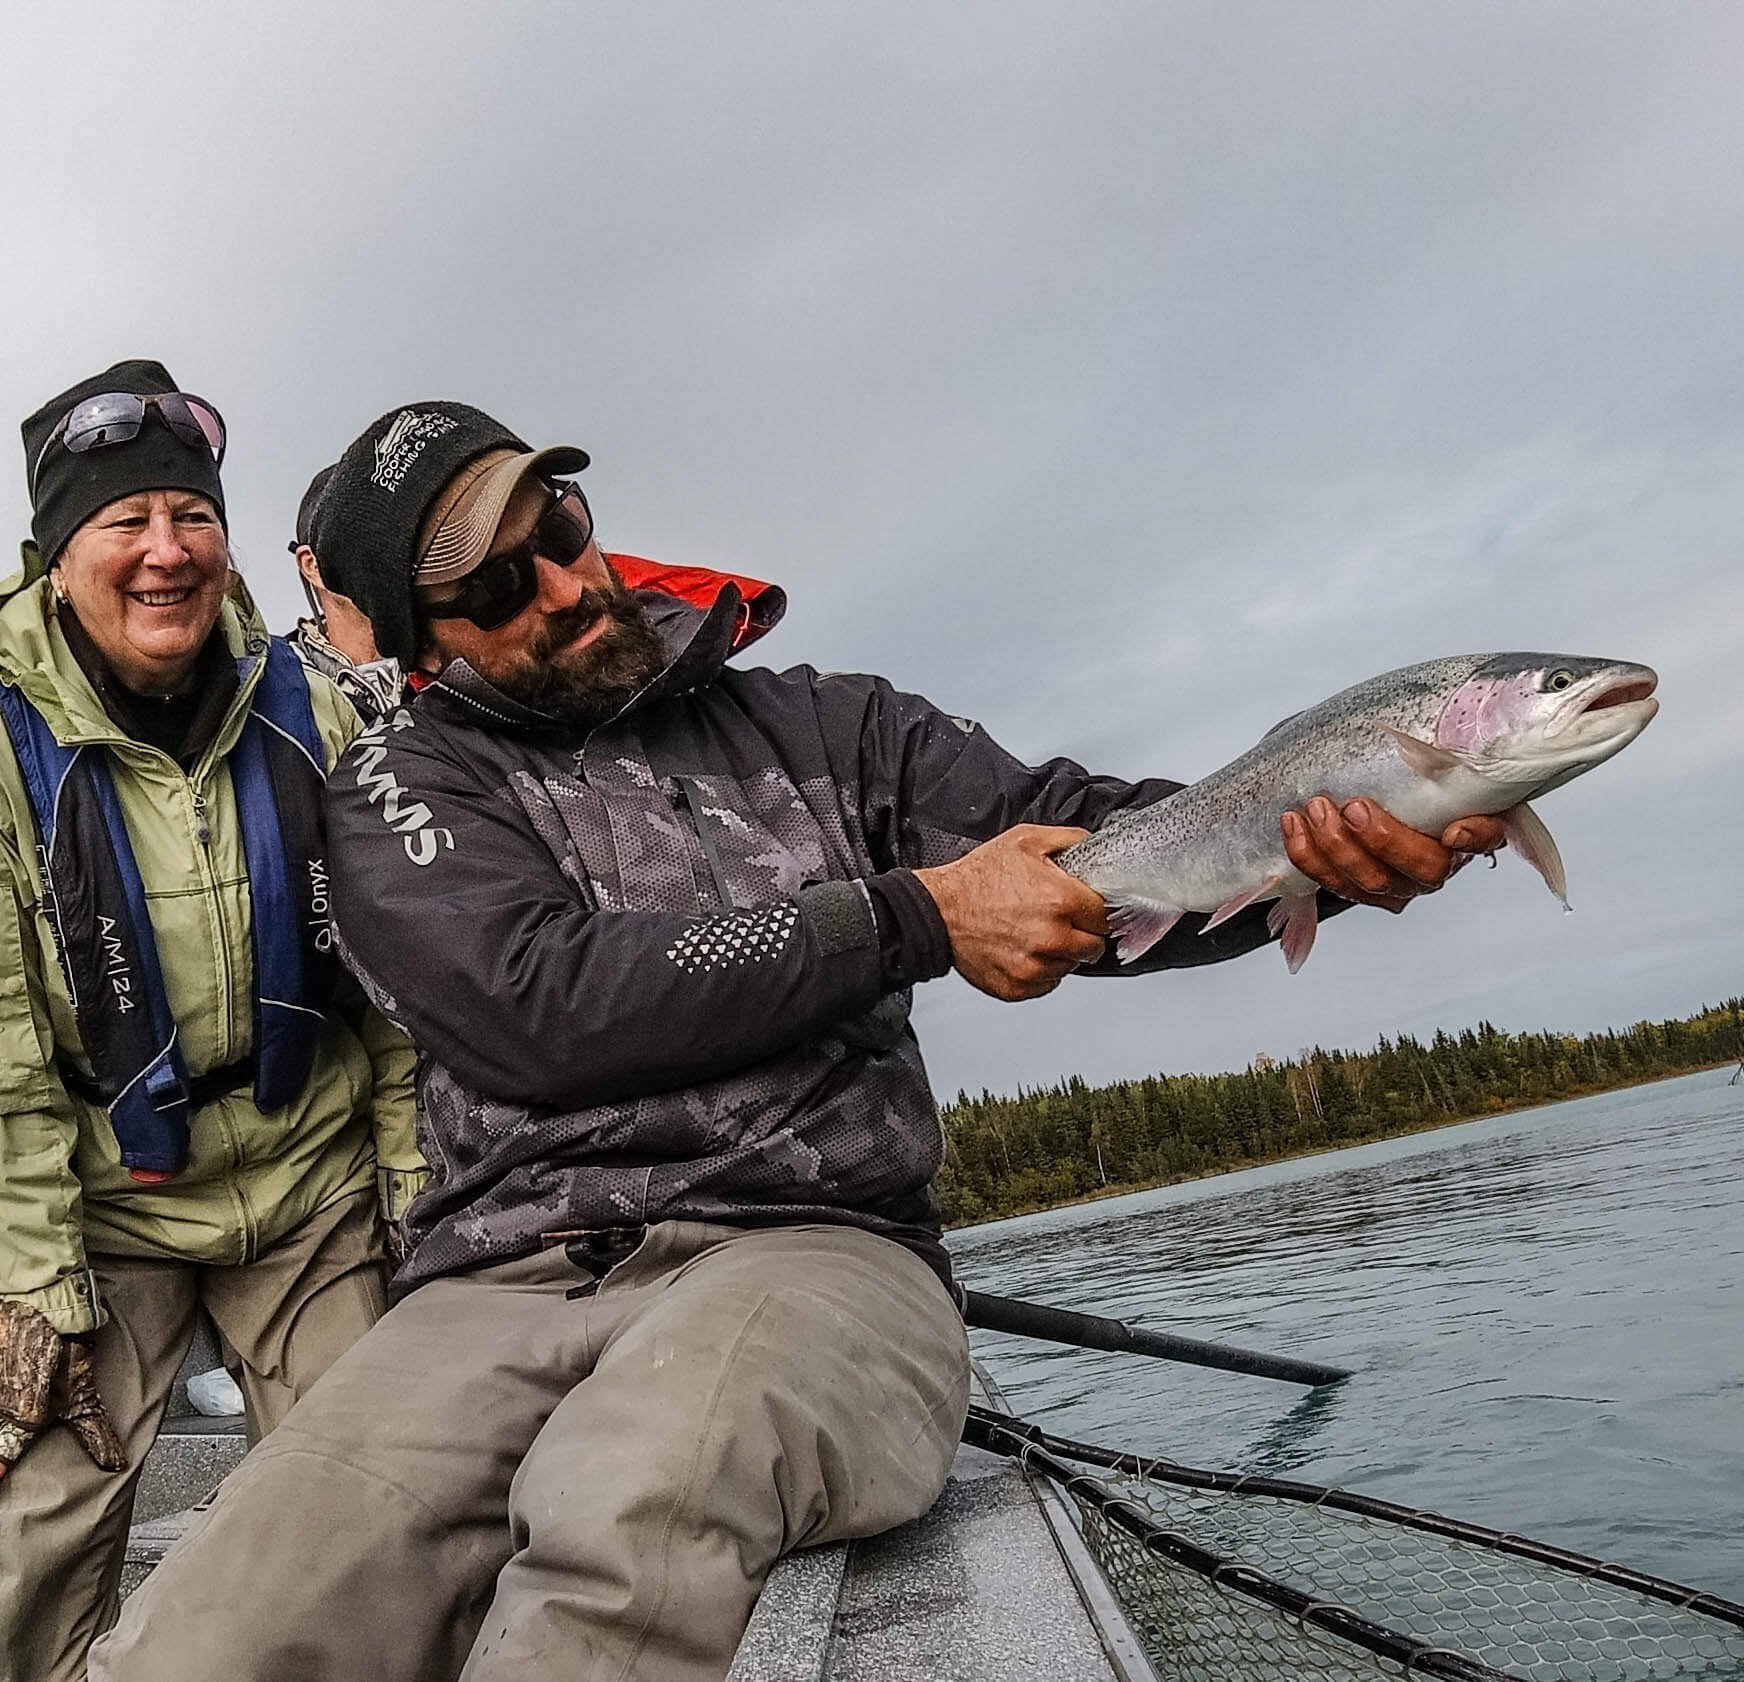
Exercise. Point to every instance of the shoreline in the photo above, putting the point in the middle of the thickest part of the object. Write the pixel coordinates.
(1240, 1164)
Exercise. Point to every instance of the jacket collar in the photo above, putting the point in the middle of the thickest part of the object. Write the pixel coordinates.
(697, 641)
(34, 656)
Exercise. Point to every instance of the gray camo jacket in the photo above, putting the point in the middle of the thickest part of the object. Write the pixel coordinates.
(664, 972)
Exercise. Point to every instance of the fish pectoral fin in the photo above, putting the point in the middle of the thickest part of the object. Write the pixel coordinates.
(1531, 840)
(1242, 901)
(1137, 924)
(1425, 758)
(1294, 919)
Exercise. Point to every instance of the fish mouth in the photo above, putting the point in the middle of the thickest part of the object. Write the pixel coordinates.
(1621, 693)
(1610, 701)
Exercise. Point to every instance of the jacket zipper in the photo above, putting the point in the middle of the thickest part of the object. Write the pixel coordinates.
(706, 840)
(221, 931)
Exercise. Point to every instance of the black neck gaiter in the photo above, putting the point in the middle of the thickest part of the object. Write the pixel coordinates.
(182, 725)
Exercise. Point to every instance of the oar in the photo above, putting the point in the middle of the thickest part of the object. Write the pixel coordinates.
(1096, 1331)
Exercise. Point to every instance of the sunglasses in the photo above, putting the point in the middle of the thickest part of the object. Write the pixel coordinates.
(115, 417)
(501, 585)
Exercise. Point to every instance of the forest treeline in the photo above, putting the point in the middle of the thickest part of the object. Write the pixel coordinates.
(1012, 1155)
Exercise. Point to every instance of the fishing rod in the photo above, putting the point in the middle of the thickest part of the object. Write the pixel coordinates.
(1096, 1331)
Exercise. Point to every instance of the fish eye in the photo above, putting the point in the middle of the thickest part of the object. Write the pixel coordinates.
(1561, 678)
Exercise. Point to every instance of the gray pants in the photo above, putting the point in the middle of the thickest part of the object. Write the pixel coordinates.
(511, 1479)
(63, 1521)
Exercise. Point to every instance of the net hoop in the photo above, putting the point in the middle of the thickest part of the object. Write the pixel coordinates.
(1042, 1452)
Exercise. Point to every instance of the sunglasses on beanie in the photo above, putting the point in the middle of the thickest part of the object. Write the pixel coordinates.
(115, 417)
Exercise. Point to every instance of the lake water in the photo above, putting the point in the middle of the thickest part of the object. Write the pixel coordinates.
(1544, 1312)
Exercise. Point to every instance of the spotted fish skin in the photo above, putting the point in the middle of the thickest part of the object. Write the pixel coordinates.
(1459, 737)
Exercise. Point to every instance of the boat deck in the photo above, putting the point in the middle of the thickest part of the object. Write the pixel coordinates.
(977, 1590)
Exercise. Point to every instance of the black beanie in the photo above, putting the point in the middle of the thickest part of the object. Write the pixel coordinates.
(69, 488)
(368, 517)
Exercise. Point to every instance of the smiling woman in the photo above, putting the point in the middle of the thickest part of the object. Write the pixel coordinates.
(145, 576)
(192, 1114)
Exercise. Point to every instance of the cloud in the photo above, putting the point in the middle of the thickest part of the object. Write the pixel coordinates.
(1126, 381)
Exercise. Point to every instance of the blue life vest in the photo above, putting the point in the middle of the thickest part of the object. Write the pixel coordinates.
(102, 925)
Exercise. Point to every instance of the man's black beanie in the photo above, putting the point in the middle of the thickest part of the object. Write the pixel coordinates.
(367, 520)
(70, 488)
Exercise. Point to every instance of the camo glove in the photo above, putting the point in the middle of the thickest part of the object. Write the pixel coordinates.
(47, 1379)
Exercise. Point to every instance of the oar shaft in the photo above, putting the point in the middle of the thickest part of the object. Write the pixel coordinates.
(1097, 1331)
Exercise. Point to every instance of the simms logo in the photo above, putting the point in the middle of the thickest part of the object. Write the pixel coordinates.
(403, 443)
(412, 821)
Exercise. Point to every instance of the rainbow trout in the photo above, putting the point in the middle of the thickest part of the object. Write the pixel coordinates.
(1462, 737)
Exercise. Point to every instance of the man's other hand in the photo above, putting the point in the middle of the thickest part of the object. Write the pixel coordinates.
(1018, 923)
(1361, 852)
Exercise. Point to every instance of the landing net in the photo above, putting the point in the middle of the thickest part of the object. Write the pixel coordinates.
(1226, 1577)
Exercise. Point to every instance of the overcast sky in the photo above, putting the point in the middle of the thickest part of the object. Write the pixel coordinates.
(1125, 376)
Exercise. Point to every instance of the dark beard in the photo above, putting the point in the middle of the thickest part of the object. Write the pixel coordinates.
(585, 688)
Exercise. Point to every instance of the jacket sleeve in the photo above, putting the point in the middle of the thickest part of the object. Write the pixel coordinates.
(42, 1258)
(393, 1098)
(934, 786)
(393, 1062)
(463, 927)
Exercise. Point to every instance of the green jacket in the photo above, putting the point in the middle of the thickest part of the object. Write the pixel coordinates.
(251, 1177)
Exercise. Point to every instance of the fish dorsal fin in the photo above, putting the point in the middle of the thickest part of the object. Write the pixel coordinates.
(1281, 723)
(1531, 840)
(1425, 758)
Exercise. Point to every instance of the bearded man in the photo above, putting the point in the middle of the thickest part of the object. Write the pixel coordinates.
(676, 1301)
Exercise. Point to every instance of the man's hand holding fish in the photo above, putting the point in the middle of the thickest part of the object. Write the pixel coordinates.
(1361, 852)
(1019, 924)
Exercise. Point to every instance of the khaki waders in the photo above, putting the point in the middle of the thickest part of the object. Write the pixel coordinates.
(63, 1521)
(522, 1473)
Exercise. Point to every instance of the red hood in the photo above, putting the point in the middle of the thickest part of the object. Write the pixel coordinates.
(760, 610)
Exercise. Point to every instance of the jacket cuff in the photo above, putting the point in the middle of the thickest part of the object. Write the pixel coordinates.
(395, 1189)
(913, 942)
(70, 1305)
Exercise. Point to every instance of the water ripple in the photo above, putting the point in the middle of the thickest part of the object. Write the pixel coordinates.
(1542, 1309)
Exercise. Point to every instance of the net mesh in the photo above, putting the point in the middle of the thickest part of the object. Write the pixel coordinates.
(1225, 1578)
(1514, 1616)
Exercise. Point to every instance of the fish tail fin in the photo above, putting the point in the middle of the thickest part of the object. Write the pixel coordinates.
(1294, 919)
(1137, 924)
(1532, 841)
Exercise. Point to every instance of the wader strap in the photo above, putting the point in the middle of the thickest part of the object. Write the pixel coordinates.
(202, 1089)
